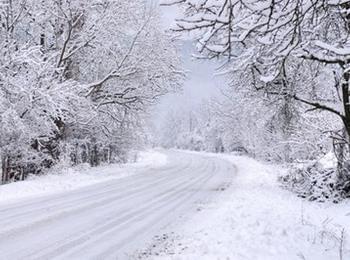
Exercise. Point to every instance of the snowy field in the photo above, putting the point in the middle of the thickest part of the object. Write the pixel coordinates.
(65, 179)
(254, 218)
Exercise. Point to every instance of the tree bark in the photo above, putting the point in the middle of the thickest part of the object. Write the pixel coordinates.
(342, 151)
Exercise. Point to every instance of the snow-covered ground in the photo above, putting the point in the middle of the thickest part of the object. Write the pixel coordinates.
(111, 219)
(65, 178)
(169, 205)
(254, 218)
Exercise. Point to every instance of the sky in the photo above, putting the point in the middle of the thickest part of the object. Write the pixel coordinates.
(200, 84)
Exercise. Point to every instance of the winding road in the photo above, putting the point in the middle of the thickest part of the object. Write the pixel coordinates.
(111, 220)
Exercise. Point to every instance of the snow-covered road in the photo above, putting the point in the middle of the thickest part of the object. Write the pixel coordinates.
(112, 219)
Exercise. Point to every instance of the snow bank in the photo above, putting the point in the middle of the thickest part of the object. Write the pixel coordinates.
(66, 178)
(256, 219)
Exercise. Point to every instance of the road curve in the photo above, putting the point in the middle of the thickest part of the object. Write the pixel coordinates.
(112, 219)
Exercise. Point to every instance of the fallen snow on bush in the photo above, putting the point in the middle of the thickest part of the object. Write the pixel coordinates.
(62, 178)
(317, 180)
(256, 219)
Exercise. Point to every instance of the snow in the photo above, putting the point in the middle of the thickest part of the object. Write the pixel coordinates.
(110, 220)
(255, 218)
(199, 206)
(334, 49)
(267, 79)
(328, 161)
(67, 178)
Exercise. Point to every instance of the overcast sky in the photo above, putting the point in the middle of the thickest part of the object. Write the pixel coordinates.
(200, 83)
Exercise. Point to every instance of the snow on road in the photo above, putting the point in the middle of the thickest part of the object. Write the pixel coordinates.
(111, 219)
(181, 205)
(255, 219)
(65, 178)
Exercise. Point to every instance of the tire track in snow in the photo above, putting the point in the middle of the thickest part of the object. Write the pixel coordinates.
(6, 220)
(10, 231)
(115, 185)
(87, 240)
(105, 227)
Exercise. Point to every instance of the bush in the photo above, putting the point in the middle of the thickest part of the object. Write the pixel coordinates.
(316, 182)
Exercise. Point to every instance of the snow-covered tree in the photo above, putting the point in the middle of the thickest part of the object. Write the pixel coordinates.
(77, 78)
(297, 50)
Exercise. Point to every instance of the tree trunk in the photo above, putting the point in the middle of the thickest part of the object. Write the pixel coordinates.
(342, 151)
(5, 169)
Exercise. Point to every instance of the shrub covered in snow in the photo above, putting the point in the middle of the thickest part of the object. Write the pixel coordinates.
(317, 180)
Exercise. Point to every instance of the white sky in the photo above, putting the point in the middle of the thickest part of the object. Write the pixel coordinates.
(200, 84)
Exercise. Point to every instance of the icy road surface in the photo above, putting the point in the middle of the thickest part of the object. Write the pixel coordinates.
(112, 219)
